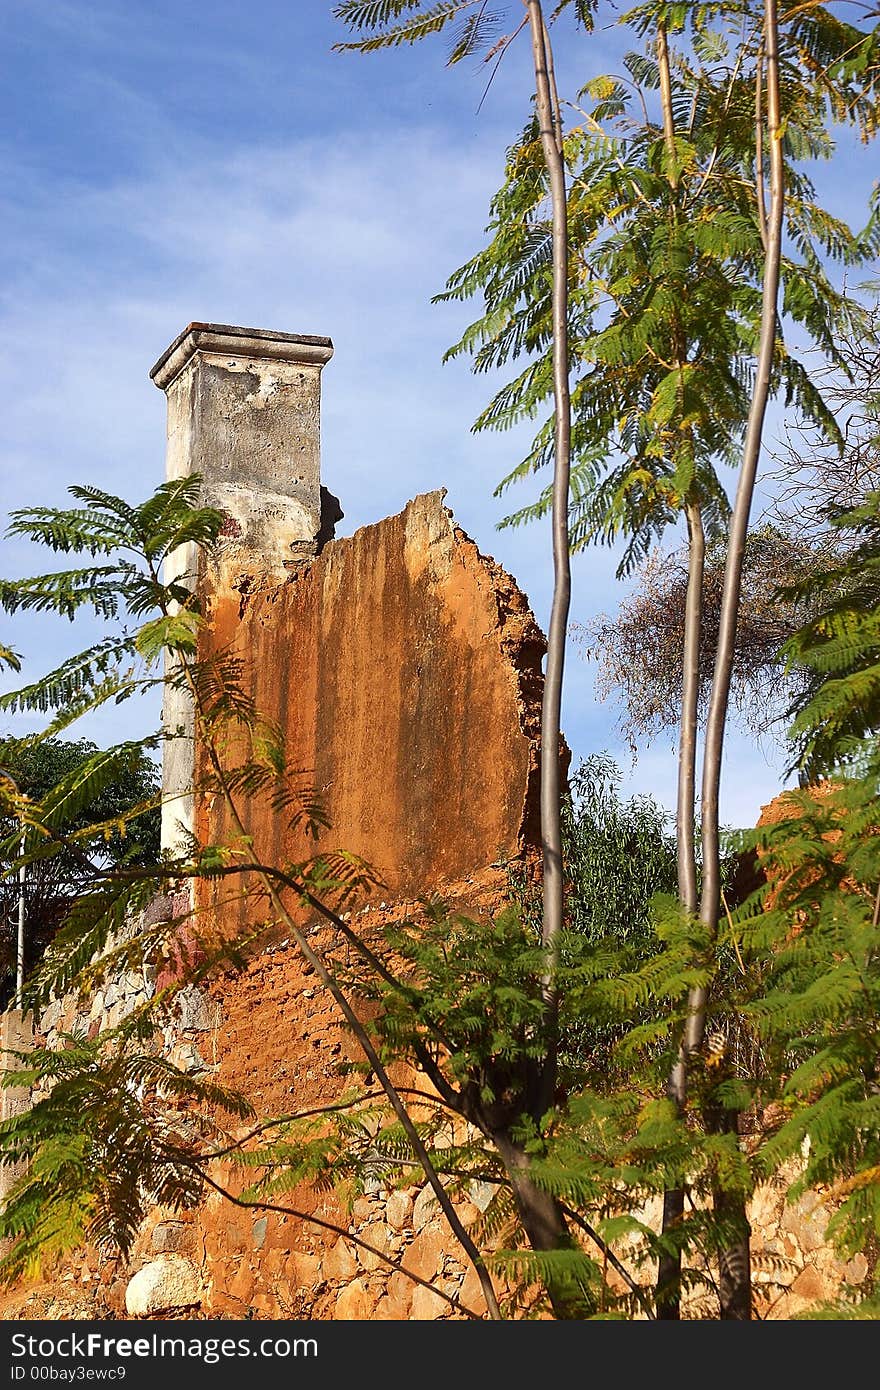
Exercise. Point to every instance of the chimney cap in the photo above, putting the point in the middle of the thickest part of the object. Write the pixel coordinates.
(241, 342)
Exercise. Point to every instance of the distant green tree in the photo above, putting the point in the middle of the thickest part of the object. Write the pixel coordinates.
(619, 854)
(126, 818)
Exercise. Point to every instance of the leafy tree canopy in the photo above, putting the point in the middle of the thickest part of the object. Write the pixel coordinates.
(123, 815)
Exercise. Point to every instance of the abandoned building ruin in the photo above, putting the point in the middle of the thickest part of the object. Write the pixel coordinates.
(375, 653)
(404, 668)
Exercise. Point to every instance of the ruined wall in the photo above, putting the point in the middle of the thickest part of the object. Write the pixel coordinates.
(272, 1032)
(404, 668)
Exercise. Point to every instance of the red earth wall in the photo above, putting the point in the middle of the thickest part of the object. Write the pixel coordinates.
(404, 669)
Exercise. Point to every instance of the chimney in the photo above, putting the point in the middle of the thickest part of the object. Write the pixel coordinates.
(244, 413)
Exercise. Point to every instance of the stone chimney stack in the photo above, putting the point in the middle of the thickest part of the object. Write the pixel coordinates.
(244, 413)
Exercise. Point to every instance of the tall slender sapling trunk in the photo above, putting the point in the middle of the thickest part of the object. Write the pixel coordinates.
(735, 1277)
(549, 122)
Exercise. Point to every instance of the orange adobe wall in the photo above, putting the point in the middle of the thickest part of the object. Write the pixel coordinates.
(280, 1040)
(405, 670)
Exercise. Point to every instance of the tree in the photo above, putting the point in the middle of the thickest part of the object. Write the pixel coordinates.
(619, 855)
(640, 648)
(53, 883)
(675, 339)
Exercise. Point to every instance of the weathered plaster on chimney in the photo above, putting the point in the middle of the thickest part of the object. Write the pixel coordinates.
(244, 412)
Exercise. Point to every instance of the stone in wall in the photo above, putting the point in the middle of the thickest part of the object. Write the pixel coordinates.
(168, 1284)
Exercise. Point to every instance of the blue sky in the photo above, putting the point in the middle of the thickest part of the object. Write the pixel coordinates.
(162, 163)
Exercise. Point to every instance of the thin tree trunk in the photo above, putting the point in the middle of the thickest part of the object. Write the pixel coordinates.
(669, 1269)
(711, 897)
(666, 94)
(690, 694)
(668, 1285)
(540, 1213)
(551, 713)
(736, 1301)
(544, 1223)
(734, 1260)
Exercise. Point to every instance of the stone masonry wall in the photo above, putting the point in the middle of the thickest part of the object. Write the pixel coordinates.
(270, 1032)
